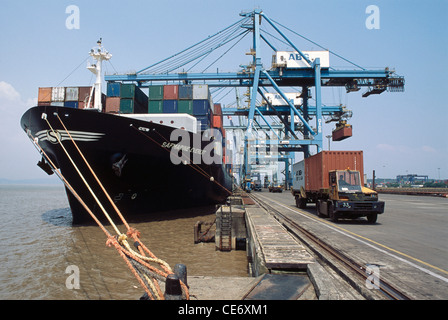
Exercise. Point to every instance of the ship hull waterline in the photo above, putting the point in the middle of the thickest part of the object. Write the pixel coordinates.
(131, 158)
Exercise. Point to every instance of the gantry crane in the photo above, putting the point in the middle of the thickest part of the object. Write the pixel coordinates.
(301, 124)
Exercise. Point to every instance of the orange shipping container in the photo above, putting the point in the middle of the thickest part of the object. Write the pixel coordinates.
(44, 95)
(217, 121)
(318, 166)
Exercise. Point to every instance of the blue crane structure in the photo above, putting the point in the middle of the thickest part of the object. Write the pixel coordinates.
(300, 125)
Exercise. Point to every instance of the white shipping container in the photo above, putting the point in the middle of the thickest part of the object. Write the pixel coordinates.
(298, 175)
(276, 99)
(71, 94)
(58, 94)
(57, 103)
(292, 59)
(200, 92)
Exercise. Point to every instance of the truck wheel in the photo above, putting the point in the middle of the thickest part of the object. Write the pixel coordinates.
(300, 202)
(319, 214)
(333, 215)
(371, 218)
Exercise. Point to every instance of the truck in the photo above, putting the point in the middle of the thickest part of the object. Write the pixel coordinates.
(275, 187)
(334, 181)
(257, 185)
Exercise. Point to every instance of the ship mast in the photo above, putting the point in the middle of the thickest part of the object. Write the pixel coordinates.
(98, 54)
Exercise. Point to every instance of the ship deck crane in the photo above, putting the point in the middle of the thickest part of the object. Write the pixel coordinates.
(289, 68)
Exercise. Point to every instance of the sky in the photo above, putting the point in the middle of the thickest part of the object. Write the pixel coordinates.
(400, 133)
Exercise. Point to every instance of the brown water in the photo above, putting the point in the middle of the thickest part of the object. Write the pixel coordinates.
(38, 243)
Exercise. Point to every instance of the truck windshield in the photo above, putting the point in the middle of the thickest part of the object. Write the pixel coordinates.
(348, 181)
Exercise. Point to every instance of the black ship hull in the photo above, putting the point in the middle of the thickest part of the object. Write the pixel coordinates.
(132, 158)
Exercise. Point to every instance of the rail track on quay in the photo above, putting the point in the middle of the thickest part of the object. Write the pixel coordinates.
(354, 273)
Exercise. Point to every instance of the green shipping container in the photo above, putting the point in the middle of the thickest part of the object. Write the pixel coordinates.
(127, 91)
(185, 106)
(155, 93)
(132, 106)
(155, 106)
(131, 91)
(127, 106)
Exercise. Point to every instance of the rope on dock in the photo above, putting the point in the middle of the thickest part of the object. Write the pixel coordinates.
(140, 263)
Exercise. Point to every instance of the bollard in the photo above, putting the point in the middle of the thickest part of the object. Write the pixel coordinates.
(181, 271)
(172, 288)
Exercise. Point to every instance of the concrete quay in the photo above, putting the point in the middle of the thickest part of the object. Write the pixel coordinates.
(280, 267)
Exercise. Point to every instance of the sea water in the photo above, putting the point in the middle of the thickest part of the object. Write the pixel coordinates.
(40, 248)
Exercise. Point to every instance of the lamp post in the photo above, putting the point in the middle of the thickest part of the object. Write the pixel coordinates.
(328, 137)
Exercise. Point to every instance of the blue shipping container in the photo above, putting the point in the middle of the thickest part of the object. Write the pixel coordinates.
(203, 122)
(169, 106)
(186, 92)
(201, 107)
(113, 89)
(71, 104)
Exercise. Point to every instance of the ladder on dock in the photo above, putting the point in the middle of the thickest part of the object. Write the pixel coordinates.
(225, 229)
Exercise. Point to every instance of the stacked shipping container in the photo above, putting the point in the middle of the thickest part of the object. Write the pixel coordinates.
(122, 98)
(194, 100)
(125, 98)
(72, 97)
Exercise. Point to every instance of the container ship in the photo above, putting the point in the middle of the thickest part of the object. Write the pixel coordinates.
(153, 152)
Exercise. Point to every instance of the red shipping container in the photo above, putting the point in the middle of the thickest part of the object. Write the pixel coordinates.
(342, 133)
(112, 105)
(84, 93)
(217, 109)
(217, 121)
(171, 92)
(318, 166)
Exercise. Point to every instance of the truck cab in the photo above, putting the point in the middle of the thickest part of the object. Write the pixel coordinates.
(349, 199)
(257, 185)
(344, 183)
(338, 192)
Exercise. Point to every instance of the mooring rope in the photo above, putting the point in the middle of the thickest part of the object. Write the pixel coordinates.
(146, 274)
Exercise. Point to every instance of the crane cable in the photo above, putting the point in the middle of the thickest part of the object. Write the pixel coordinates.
(120, 241)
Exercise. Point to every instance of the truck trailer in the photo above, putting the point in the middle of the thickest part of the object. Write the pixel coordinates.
(334, 181)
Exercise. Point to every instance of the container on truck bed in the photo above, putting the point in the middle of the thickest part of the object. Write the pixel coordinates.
(334, 181)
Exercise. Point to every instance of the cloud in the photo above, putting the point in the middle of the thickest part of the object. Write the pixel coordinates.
(8, 93)
(394, 148)
(385, 147)
(392, 159)
(405, 150)
(428, 149)
(18, 155)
